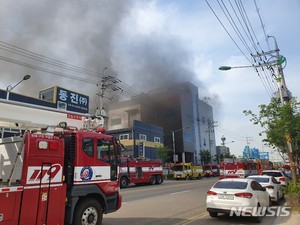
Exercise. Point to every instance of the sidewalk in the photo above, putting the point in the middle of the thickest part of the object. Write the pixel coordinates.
(292, 219)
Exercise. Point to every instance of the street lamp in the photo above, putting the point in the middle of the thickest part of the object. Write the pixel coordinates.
(9, 87)
(228, 143)
(224, 68)
(173, 138)
(278, 62)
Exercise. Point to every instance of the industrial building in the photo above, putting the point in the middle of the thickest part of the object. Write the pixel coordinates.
(187, 121)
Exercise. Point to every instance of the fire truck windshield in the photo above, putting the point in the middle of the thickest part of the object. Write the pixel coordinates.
(179, 168)
(106, 153)
(206, 167)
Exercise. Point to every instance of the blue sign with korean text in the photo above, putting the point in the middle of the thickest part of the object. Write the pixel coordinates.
(72, 101)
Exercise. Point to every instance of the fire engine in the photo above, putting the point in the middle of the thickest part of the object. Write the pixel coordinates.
(56, 175)
(211, 170)
(22, 116)
(187, 171)
(139, 171)
(263, 164)
(237, 168)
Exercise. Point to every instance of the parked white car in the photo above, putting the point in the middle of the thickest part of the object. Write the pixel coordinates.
(274, 187)
(231, 193)
(279, 176)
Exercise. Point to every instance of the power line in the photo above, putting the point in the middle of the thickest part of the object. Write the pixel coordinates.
(261, 61)
(233, 25)
(126, 89)
(40, 58)
(262, 24)
(228, 32)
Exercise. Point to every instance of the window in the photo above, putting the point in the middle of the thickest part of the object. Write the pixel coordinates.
(88, 146)
(143, 137)
(124, 137)
(116, 121)
(256, 186)
(106, 153)
(157, 139)
(271, 173)
(261, 179)
(231, 185)
(104, 150)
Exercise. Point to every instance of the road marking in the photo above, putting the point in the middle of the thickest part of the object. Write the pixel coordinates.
(192, 219)
(129, 190)
(180, 192)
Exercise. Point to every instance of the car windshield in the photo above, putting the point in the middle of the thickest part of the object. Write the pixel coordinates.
(261, 179)
(231, 185)
(178, 168)
(271, 173)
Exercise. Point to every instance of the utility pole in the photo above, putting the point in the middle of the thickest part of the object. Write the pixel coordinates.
(262, 61)
(210, 129)
(284, 96)
(107, 84)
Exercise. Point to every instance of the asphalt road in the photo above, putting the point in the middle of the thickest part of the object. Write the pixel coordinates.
(171, 203)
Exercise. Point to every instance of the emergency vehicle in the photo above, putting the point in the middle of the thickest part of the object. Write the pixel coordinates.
(187, 171)
(17, 116)
(55, 175)
(237, 168)
(211, 170)
(139, 171)
(263, 164)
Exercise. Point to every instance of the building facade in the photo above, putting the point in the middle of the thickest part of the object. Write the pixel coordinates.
(141, 140)
(186, 120)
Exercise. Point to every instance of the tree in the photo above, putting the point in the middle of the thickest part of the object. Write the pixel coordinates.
(223, 156)
(281, 125)
(205, 157)
(163, 153)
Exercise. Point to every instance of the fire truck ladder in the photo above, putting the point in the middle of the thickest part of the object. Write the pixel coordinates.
(19, 153)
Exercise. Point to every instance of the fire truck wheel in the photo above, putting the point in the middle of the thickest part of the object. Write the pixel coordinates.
(123, 182)
(88, 211)
(152, 180)
(158, 179)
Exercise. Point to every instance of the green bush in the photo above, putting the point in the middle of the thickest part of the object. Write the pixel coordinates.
(292, 192)
(293, 188)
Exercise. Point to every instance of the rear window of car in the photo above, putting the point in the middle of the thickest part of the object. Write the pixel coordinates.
(261, 179)
(274, 174)
(231, 185)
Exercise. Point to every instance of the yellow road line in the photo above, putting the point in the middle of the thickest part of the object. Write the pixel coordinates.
(192, 219)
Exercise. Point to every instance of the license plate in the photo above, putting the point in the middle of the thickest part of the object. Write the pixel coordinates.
(223, 196)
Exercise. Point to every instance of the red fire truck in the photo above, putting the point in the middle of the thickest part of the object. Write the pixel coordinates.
(263, 164)
(237, 168)
(211, 170)
(58, 176)
(140, 171)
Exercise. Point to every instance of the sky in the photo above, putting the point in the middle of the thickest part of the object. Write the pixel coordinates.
(148, 44)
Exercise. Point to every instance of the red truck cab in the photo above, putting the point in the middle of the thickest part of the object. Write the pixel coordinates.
(58, 177)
